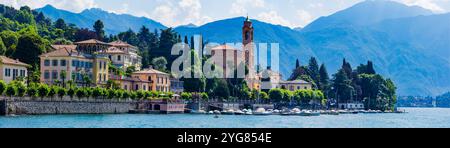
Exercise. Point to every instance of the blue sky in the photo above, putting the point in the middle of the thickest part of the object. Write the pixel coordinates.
(291, 13)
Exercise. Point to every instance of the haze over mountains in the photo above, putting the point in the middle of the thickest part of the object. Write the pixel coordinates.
(410, 45)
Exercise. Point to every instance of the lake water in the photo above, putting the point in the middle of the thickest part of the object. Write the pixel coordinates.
(416, 117)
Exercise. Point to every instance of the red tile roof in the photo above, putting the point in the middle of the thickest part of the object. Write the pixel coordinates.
(6, 60)
(91, 41)
(120, 43)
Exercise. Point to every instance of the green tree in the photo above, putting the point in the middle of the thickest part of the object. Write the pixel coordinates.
(29, 47)
(97, 92)
(276, 95)
(32, 90)
(2, 47)
(43, 90)
(10, 40)
(313, 69)
(2, 87)
(60, 24)
(98, 27)
(21, 89)
(82, 93)
(11, 90)
(159, 63)
(343, 89)
(62, 92)
(53, 91)
(24, 17)
(71, 92)
(324, 78)
(63, 76)
(222, 91)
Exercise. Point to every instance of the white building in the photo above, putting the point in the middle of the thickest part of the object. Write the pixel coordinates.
(124, 55)
(11, 69)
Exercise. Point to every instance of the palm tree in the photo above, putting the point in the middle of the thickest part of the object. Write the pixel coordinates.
(63, 76)
(87, 80)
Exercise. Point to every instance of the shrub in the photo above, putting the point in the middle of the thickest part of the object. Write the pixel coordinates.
(21, 89)
(186, 96)
(11, 90)
(97, 92)
(71, 92)
(32, 90)
(133, 95)
(43, 90)
(204, 96)
(126, 95)
(118, 93)
(62, 92)
(140, 94)
(81, 93)
(53, 91)
(111, 93)
(2, 87)
(264, 96)
(276, 94)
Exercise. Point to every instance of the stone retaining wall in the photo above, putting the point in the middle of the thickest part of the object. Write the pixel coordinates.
(37, 107)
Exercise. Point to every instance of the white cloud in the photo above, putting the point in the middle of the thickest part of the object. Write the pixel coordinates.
(305, 18)
(71, 5)
(274, 18)
(181, 13)
(240, 6)
(427, 4)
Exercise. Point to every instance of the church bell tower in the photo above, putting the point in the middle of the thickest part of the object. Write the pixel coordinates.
(247, 41)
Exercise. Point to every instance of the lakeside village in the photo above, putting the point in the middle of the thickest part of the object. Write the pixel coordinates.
(55, 68)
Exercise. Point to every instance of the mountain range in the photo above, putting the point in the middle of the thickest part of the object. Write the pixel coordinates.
(114, 23)
(408, 44)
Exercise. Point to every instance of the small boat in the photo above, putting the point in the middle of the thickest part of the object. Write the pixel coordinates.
(199, 112)
(333, 112)
(227, 112)
(261, 112)
(305, 113)
(211, 112)
(239, 112)
(315, 113)
(217, 112)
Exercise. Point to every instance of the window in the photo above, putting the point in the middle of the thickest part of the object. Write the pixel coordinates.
(47, 62)
(104, 65)
(46, 74)
(7, 72)
(100, 65)
(15, 73)
(100, 77)
(144, 87)
(81, 64)
(104, 77)
(136, 87)
(125, 87)
(63, 63)
(54, 62)
(55, 74)
(22, 73)
(118, 57)
(110, 58)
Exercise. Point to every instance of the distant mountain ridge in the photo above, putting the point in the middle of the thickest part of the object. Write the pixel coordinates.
(410, 45)
(114, 23)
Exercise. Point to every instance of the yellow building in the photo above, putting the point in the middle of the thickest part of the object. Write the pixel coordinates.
(295, 85)
(147, 79)
(160, 80)
(12, 69)
(75, 61)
